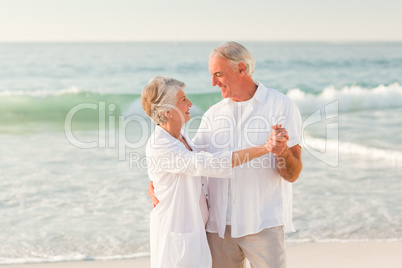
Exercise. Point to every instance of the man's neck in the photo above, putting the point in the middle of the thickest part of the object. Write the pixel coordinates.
(247, 93)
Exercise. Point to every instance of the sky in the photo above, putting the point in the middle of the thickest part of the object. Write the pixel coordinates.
(206, 20)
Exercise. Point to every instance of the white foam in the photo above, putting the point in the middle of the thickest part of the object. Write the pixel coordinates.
(328, 240)
(323, 145)
(41, 93)
(45, 93)
(78, 257)
(351, 98)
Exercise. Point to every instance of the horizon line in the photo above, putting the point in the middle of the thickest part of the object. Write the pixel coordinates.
(203, 41)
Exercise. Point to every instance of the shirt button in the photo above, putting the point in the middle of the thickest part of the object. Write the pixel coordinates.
(202, 184)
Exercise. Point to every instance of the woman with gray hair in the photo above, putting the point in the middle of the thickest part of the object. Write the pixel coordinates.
(177, 225)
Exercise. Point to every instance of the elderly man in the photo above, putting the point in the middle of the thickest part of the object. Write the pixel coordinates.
(249, 212)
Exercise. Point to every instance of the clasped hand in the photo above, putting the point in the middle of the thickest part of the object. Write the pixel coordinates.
(277, 141)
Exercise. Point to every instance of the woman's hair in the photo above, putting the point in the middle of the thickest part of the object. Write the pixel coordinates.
(236, 53)
(159, 96)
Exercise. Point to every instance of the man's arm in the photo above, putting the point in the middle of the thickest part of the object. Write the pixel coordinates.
(289, 159)
(289, 163)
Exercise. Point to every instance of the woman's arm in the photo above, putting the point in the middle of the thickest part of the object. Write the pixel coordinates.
(177, 159)
(238, 158)
(243, 156)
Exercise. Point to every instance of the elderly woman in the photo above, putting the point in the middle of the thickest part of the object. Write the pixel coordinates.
(178, 237)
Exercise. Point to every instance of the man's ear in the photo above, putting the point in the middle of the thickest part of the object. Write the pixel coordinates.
(241, 68)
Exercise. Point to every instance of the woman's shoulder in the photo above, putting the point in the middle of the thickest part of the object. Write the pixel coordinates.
(160, 141)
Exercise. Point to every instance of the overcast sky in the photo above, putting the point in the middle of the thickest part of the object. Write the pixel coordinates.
(204, 20)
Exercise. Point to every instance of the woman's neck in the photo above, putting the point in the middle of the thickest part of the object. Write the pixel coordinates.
(172, 129)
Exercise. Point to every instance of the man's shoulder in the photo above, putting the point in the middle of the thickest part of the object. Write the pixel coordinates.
(275, 94)
(273, 98)
(214, 109)
(267, 95)
(280, 103)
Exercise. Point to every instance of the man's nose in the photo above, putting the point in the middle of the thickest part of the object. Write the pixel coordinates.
(214, 81)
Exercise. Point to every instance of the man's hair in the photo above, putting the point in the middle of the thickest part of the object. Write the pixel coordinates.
(159, 96)
(235, 53)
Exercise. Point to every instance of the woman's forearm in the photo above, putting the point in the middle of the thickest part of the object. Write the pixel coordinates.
(243, 156)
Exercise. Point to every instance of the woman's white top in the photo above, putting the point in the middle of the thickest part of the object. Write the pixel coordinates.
(178, 237)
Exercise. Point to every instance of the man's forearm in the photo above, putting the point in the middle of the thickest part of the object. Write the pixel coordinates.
(289, 163)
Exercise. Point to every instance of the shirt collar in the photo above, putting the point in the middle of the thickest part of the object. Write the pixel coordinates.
(261, 94)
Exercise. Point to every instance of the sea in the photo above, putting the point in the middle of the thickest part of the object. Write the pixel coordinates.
(73, 179)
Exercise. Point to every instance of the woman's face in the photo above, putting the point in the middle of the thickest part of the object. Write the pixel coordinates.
(181, 112)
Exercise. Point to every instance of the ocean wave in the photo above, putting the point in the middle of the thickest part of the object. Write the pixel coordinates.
(44, 93)
(52, 106)
(17, 107)
(48, 105)
(329, 240)
(78, 257)
(350, 148)
(351, 98)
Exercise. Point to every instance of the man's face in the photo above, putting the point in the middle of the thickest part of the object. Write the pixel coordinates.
(224, 76)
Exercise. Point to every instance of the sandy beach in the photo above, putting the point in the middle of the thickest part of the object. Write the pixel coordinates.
(307, 255)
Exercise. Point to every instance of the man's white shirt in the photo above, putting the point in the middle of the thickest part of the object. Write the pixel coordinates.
(260, 197)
